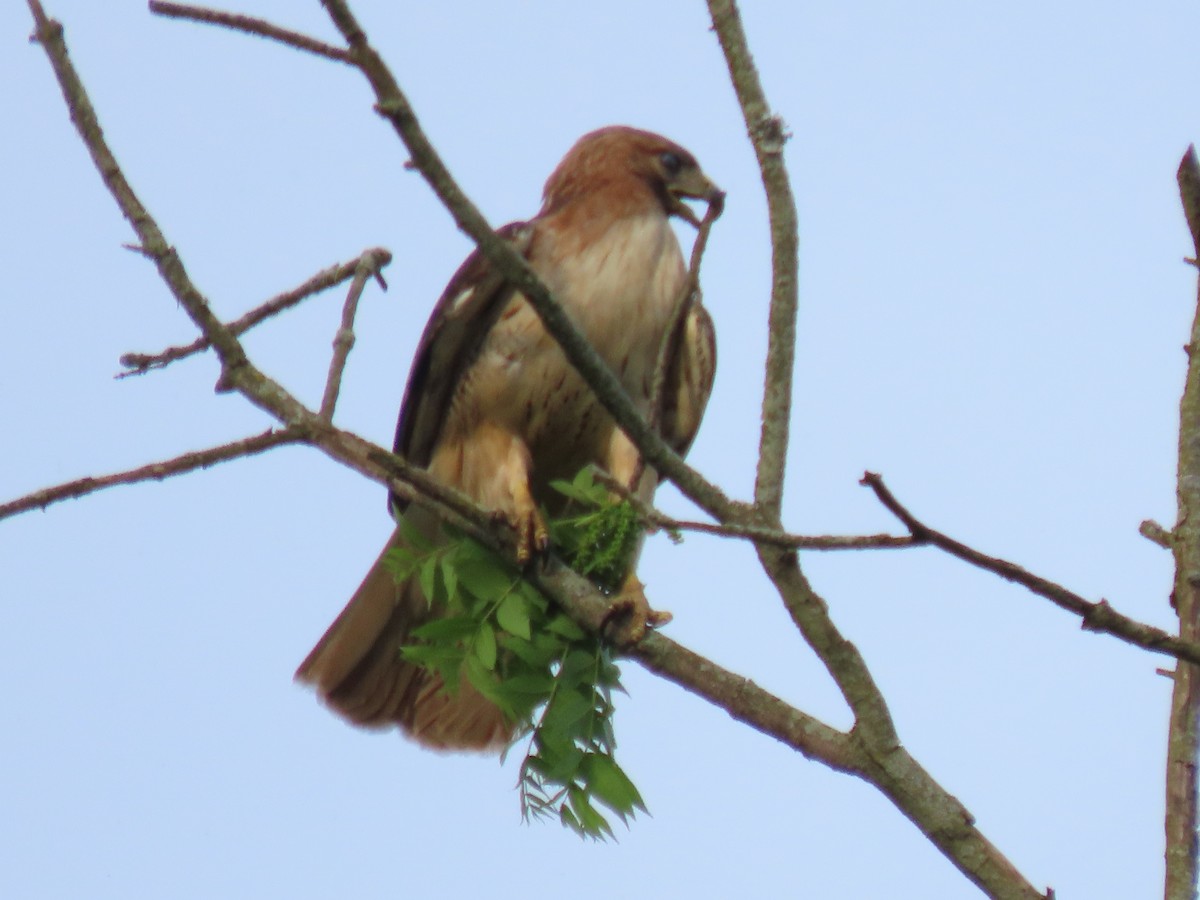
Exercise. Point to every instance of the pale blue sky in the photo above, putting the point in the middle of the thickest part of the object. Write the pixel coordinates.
(993, 305)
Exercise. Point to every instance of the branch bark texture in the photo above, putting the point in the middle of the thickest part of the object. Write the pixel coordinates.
(1184, 737)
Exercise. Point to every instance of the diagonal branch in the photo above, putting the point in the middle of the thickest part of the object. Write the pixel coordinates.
(1096, 616)
(768, 135)
(140, 363)
(49, 34)
(250, 25)
(158, 471)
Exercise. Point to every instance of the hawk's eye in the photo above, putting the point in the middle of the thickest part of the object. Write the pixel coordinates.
(671, 162)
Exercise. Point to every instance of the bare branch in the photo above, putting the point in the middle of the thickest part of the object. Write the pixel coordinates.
(343, 341)
(49, 34)
(656, 518)
(1183, 739)
(250, 25)
(768, 135)
(1155, 533)
(1096, 616)
(188, 462)
(140, 363)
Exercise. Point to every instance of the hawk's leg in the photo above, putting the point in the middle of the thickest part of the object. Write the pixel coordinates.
(492, 465)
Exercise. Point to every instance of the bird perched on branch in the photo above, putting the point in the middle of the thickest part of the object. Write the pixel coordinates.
(494, 409)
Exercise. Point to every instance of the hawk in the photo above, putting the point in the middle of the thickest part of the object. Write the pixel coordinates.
(494, 409)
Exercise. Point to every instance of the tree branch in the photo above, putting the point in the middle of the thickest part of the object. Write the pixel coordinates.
(343, 341)
(768, 135)
(937, 813)
(1155, 533)
(140, 363)
(669, 345)
(1096, 616)
(655, 518)
(1183, 740)
(158, 471)
(250, 25)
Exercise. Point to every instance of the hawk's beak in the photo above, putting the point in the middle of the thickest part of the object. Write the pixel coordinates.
(695, 185)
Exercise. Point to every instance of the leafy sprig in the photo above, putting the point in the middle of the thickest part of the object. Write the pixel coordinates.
(550, 678)
(600, 538)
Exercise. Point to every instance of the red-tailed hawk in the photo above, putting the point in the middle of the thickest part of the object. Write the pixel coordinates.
(494, 409)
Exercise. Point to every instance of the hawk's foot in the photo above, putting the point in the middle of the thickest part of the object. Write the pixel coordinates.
(630, 616)
(533, 538)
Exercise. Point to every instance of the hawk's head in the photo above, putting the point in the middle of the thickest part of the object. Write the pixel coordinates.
(630, 168)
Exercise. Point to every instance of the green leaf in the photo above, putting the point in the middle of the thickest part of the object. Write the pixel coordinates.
(414, 537)
(571, 491)
(513, 615)
(577, 667)
(607, 783)
(560, 624)
(427, 576)
(533, 656)
(486, 578)
(485, 646)
(401, 562)
(425, 654)
(567, 712)
(449, 573)
(482, 679)
(537, 602)
(569, 821)
(446, 631)
(557, 765)
(590, 820)
(530, 683)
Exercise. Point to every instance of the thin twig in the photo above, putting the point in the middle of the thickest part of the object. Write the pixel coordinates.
(1155, 533)
(250, 25)
(154, 246)
(797, 541)
(657, 519)
(1096, 616)
(140, 363)
(673, 336)
(343, 341)
(768, 135)
(188, 462)
(669, 345)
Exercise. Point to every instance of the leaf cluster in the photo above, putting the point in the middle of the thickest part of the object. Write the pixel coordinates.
(552, 680)
(600, 537)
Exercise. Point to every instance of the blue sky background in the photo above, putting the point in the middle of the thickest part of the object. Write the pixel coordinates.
(993, 305)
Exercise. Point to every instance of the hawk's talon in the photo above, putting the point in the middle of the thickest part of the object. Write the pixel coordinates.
(533, 539)
(630, 616)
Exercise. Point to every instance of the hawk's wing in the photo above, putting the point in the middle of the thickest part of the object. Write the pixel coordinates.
(460, 321)
(689, 379)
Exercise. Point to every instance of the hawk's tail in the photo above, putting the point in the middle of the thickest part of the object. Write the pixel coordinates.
(357, 670)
